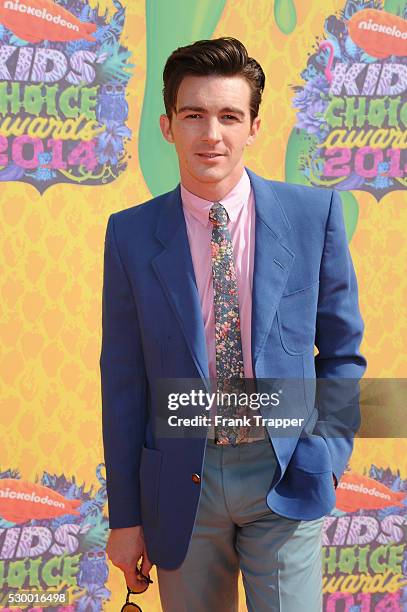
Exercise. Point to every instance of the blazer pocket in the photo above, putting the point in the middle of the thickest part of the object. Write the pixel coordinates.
(150, 468)
(296, 317)
(312, 455)
(309, 492)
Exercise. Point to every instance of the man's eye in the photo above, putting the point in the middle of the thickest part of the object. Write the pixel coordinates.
(229, 117)
(194, 116)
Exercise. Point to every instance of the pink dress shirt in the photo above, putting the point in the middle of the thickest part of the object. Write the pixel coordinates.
(239, 204)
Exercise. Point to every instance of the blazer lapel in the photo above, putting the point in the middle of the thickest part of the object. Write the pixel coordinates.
(175, 271)
(272, 261)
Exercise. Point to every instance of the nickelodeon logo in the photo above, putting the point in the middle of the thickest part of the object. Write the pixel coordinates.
(37, 20)
(39, 13)
(381, 27)
(361, 489)
(356, 492)
(31, 497)
(21, 501)
(378, 32)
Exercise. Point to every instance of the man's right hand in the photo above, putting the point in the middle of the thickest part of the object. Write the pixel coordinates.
(124, 548)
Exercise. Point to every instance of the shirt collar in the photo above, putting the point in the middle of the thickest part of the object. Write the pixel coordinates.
(233, 201)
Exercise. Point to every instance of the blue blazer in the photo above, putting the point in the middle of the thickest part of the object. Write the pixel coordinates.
(304, 294)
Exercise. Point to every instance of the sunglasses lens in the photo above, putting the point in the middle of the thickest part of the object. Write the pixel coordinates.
(131, 607)
(143, 587)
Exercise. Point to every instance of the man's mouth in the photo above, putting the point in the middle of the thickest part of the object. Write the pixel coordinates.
(210, 155)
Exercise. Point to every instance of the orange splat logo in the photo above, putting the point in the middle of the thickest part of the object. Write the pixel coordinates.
(356, 492)
(37, 20)
(379, 33)
(21, 501)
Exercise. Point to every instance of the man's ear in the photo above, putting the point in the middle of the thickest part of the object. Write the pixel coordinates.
(165, 126)
(253, 131)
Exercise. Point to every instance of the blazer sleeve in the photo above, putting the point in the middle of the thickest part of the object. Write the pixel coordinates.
(124, 389)
(339, 332)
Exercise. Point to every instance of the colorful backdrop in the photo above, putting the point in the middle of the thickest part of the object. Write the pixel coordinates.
(80, 96)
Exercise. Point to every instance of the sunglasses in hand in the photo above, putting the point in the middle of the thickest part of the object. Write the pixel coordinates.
(128, 606)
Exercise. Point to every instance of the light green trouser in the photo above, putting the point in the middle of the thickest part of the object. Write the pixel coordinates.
(280, 559)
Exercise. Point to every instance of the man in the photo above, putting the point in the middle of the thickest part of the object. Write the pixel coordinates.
(228, 277)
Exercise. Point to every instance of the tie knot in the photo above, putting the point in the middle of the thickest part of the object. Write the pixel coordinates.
(218, 215)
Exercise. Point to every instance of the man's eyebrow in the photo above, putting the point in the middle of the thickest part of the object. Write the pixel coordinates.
(200, 109)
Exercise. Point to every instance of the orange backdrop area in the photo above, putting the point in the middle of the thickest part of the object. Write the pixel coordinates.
(52, 263)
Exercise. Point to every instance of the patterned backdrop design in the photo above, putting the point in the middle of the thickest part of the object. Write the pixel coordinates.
(53, 512)
(62, 93)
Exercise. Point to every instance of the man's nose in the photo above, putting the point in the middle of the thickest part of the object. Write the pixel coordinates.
(211, 131)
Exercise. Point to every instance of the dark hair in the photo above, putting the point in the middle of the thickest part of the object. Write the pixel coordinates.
(222, 57)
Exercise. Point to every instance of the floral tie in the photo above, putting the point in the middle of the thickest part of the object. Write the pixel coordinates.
(229, 356)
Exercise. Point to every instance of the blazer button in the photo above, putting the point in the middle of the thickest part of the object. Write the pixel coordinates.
(196, 478)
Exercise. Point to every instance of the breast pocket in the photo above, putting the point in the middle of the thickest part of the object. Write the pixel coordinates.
(296, 315)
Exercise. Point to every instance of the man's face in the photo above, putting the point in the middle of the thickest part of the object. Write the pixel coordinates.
(210, 129)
